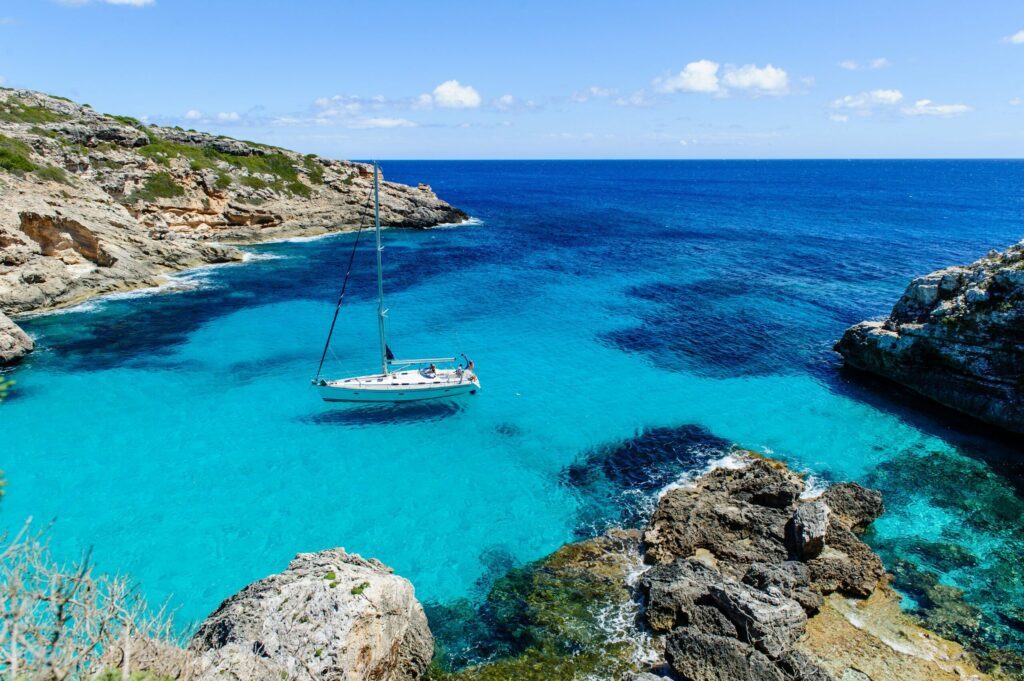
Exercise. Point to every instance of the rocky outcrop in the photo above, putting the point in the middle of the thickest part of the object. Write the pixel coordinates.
(752, 582)
(957, 337)
(330, 615)
(14, 343)
(92, 203)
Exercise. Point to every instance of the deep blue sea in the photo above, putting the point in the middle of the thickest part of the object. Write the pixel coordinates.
(630, 321)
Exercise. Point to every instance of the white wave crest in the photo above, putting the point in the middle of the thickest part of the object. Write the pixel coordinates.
(731, 461)
(470, 221)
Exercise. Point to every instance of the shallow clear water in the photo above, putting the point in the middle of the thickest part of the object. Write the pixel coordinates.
(178, 435)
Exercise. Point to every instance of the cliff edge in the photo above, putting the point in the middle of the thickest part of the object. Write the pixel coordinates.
(957, 337)
(92, 203)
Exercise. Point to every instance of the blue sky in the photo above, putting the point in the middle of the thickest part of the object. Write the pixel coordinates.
(544, 79)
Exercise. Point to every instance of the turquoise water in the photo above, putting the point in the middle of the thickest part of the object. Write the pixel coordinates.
(177, 434)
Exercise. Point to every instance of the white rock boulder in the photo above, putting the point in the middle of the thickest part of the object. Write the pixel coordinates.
(330, 615)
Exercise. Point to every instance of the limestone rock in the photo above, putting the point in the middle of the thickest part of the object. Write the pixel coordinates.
(675, 592)
(856, 506)
(740, 516)
(807, 529)
(768, 620)
(330, 615)
(14, 343)
(114, 204)
(791, 578)
(847, 564)
(957, 337)
(703, 657)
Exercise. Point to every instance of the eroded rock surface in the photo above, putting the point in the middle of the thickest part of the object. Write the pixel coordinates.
(14, 343)
(957, 337)
(744, 570)
(330, 615)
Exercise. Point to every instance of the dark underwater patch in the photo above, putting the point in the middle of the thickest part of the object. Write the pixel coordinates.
(384, 414)
(616, 482)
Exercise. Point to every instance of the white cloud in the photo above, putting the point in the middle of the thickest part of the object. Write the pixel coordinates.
(877, 63)
(839, 118)
(193, 115)
(452, 95)
(867, 100)
(697, 76)
(7, 21)
(768, 80)
(228, 116)
(702, 76)
(593, 92)
(638, 98)
(1016, 101)
(505, 102)
(926, 107)
(1017, 38)
(365, 123)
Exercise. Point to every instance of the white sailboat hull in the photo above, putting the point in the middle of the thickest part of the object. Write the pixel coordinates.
(401, 386)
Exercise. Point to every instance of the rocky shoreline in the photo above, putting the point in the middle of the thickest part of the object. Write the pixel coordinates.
(956, 336)
(737, 575)
(93, 203)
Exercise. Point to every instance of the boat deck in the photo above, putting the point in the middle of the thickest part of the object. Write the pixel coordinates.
(409, 380)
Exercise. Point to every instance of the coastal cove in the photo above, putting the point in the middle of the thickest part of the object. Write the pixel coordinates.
(671, 309)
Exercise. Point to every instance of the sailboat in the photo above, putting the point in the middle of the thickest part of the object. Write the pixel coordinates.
(399, 380)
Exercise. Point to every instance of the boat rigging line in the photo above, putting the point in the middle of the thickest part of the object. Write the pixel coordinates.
(344, 284)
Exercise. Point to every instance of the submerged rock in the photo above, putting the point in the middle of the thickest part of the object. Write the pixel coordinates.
(14, 343)
(957, 337)
(330, 615)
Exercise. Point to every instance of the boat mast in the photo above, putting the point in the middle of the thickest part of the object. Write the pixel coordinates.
(381, 312)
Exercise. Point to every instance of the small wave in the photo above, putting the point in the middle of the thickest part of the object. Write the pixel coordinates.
(307, 239)
(470, 221)
(731, 461)
(815, 486)
(179, 282)
(258, 257)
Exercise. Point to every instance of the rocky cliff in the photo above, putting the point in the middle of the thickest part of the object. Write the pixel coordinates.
(92, 203)
(957, 337)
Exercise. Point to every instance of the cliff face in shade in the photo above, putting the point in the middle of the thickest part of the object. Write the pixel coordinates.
(92, 203)
(957, 337)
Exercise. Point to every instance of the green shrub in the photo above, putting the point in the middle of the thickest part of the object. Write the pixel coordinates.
(14, 155)
(275, 163)
(53, 174)
(43, 132)
(13, 111)
(299, 189)
(313, 169)
(254, 182)
(223, 180)
(128, 120)
(157, 186)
